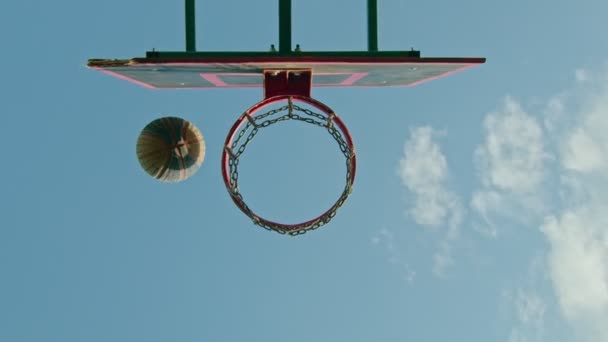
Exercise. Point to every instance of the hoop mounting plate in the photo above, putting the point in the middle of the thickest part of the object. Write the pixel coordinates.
(287, 82)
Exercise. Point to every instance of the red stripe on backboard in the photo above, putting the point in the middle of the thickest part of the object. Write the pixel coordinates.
(218, 82)
(447, 73)
(123, 77)
(352, 79)
(214, 79)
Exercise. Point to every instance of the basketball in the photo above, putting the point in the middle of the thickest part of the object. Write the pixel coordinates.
(170, 149)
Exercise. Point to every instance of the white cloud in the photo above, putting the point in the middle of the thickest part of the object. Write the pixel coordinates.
(577, 232)
(442, 259)
(582, 75)
(512, 155)
(386, 239)
(530, 308)
(530, 313)
(424, 172)
(527, 304)
(586, 146)
(581, 153)
(511, 164)
(579, 268)
(516, 176)
(485, 203)
(579, 260)
(554, 113)
(578, 235)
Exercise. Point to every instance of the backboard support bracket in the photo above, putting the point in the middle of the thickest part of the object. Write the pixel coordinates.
(190, 26)
(285, 47)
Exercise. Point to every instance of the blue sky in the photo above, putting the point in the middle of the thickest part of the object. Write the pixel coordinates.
(479, 208)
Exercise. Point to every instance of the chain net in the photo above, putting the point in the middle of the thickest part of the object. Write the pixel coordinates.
(254, 124)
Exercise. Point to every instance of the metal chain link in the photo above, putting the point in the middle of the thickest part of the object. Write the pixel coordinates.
(301, 114)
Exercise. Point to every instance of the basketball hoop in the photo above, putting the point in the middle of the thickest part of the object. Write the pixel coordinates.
(248, 125)
(285, 75)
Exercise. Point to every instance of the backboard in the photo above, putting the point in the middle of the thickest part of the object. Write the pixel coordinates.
(241, 70)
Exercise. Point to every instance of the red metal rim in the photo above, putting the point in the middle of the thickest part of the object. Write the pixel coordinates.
(286, 228)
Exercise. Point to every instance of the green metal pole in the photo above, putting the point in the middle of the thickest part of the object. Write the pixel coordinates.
(284, 26)
(190, 26)
(372, 25)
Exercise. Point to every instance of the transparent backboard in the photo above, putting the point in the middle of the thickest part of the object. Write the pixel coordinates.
(236, 71)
